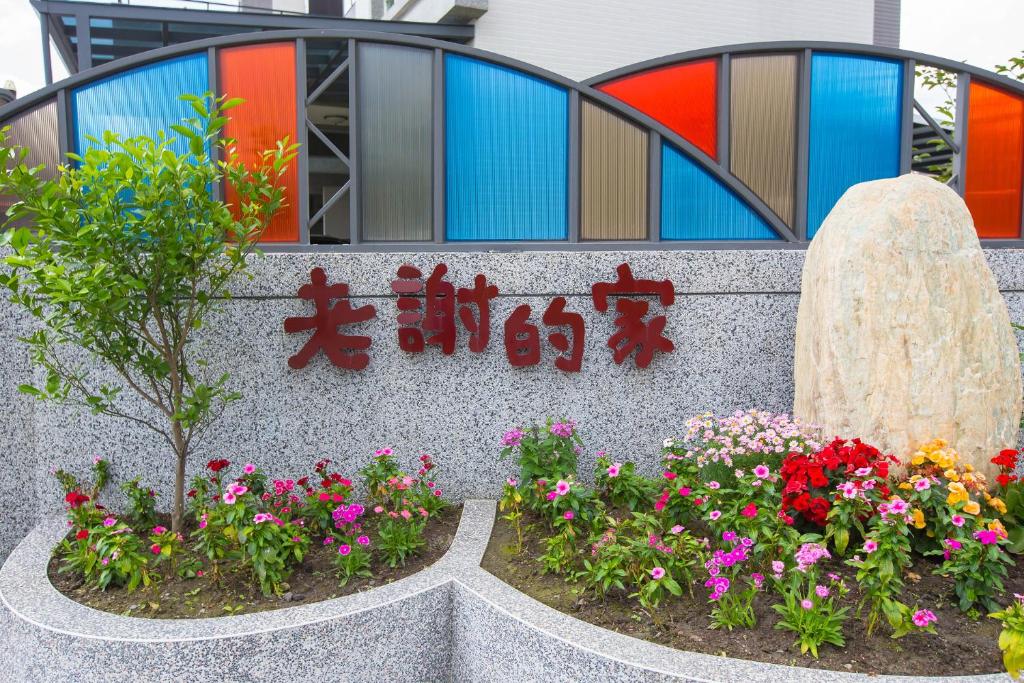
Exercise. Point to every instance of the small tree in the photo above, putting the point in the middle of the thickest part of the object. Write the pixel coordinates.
(126, 254)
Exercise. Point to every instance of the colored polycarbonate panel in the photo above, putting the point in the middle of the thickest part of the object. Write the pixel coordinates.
(395, 142)
(683, 97)
(762, 149)
(995, 160)
(141, 101)
(506, 153)
(855, 127)
(613, 177)
(697, 206)
(264, 76)
(35, 130)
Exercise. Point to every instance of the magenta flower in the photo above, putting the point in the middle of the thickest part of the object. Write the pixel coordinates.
(986, 537)
(613, 469)
(758, 579)
(958, 520)
(159, 530)
(870, 546)
(344, 549)
(729, 536)
(249, 468)
(684, 491)
(155, 548)
(761, 471)
(657, 573)
(363, 540)
(923, 617)
(714, 485)
(922, 485)
(821, 591)
(715, 514)
(512, 437)
(109, 521)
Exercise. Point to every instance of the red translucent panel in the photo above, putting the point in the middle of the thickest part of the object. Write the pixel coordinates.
(264, 76)
(995, 160)
(683, 97)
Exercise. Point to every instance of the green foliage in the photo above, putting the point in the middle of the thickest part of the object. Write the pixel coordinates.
(376, 475)
(511, 504)
(128, 254)
(978, 571)
(108, 555)
(735, 607)
(544, 452)
(399, 539)
(353, 563)
(1011, 638)
(270, 549)
(815, 619)
(622, 486)
(880, 572)
(141, 503)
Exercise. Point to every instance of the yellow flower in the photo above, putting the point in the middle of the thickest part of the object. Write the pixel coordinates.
(946, 461)
(996, 525)
(957, 493)
(906, 486)
(918, 459)
(998, 504)
(951, 474)
(968, 467)
(918, 518)
(972, 507)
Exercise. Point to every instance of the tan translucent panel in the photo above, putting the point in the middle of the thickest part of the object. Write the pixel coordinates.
(613, 177)
(762, 121)
(35, 130)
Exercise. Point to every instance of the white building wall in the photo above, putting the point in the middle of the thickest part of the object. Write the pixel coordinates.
(583, 38)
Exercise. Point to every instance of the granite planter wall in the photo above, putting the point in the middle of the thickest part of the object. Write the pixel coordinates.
(732, 324)
(450, 622)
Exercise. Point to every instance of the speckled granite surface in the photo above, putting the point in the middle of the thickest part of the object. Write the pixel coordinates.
(450, 622)
(732, 323)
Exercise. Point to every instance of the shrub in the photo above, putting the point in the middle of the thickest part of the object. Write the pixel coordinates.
(880, 572)
(977, 564)
(621, 485)
(547, 452)
(141, 503)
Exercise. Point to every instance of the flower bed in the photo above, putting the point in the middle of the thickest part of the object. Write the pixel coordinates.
(252, 543)
(814, 555)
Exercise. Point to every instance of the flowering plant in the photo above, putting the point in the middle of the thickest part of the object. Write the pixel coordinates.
(107, 554)
(1011, 493)
(812, 609)
(511, 503)
(352, 559)
(546, 452)
(733, 606)
(380, 470)
(1011, 638)
(621, 485)
(810, 480)
(141, 503)
(880, 572)
(978, 565)
(400, 537)
(323, 492)
(743, 439)
(270, 546)
(856, 500)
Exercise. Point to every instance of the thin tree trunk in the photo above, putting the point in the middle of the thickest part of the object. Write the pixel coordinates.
(178, 512)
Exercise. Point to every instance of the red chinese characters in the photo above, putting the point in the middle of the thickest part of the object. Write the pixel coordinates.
(634, 334)
(522, 338)
(343, 350)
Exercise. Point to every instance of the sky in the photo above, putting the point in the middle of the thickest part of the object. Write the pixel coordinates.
(980, 32)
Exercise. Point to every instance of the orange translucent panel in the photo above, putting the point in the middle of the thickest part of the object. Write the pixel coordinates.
(683, 97)
(264, 76)
(995, 160)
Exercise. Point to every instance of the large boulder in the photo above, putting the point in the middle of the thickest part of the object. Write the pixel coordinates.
(902, 334)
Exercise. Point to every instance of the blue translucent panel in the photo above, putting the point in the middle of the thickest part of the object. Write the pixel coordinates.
(695, 205)
(140, 101)
(855, 127)
(506, 151)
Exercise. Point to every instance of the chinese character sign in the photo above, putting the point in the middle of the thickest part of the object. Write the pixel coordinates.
(430, 311)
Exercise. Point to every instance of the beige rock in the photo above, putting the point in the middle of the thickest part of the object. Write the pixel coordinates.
(902, 334)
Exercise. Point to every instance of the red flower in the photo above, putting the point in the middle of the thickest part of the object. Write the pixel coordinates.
(1006, 459)
(82, 535)
(192, 493)
(345, 482)
(217, 465)
(303, 482)
(1005, 479)
(749, 511)
(76, 498)
(155, 549)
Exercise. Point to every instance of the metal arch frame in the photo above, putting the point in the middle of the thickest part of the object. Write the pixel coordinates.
(908, 60)
(577, 90)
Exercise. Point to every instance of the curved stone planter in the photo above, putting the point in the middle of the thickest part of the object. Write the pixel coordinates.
(451, 621)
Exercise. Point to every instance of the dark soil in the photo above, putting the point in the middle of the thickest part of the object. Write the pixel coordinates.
(962, 646)
(311, 581)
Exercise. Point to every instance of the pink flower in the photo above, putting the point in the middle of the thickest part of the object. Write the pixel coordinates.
(155, 549)
(922, 485)
(199, 573)
(329, 540)
(669, 475)
(569, 514)
(729, 536)
(958, 520)
(923, 617)
(821, 591)
(109, 521)
(749, 511)
(344, 549)
(863, 471)
(677, 529)
(758, 579)
(437, 493)
(379, 509)
(657, 573)
(870, 546)
(562, 487)
(405, 514)
(510, 481)
(714, 485)
(806, 604)
(715, 514)
(363, 540)
(249, 468)
(552, 495)
(229, 498)
(613, 470)
(897, 506)
(159, 530)
(986, 537)
(684, 491)
(761, 471)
